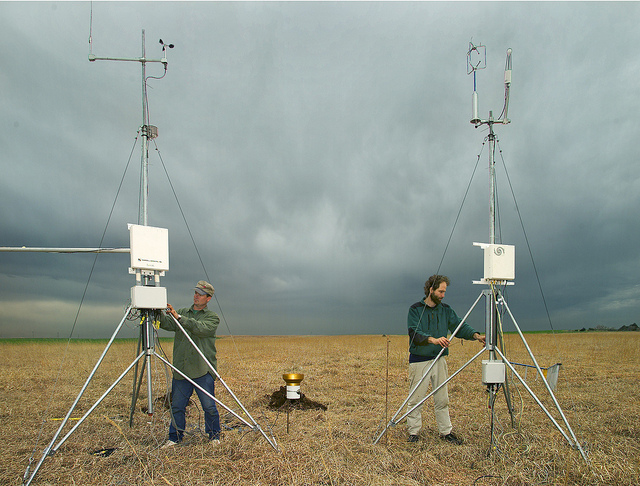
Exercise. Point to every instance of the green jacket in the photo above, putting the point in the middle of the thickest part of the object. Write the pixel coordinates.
(424, 322)
(201, 327)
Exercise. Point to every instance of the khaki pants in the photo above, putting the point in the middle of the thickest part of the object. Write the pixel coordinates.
(437, 375)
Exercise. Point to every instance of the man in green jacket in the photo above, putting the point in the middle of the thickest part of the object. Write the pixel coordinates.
(429, 322)
(200, 324)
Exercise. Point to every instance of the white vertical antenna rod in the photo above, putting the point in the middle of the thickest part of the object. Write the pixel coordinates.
(476, 59)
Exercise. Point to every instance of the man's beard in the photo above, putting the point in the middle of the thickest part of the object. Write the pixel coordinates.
(434, 298)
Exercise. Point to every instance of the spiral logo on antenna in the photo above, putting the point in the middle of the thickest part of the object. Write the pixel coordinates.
(498, 250)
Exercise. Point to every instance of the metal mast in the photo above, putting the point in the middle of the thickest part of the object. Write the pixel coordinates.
(500, 271)
(144, 278)
(144, 184)
(151, 260)
(477, 59)
(147, 131)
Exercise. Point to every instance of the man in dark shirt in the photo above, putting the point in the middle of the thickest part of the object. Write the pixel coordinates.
(429, 322)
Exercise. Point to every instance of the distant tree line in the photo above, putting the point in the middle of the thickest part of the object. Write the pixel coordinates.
(632, 327)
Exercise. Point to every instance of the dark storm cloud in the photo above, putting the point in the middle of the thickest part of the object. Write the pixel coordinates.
(320, 153)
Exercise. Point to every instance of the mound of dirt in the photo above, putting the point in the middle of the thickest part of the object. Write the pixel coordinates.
(278, 400)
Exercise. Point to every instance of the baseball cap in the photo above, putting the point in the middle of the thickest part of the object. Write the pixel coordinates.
(204, 288)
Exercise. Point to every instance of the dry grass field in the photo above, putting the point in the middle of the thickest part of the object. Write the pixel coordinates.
(598, 391)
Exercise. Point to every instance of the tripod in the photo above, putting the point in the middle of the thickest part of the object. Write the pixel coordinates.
(149, 259)
(146, 350)
(493, 298)
(499, 269)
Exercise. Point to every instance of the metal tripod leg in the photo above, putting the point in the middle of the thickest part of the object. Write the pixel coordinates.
(493, 392)
(148, 344)
(255, 425)
(434, 391)
(573, 441)
(493, 343)
(145, 343)
(393, 420)
(492, 401)
(491, 333)
(50, 449)
(136, 382)
(93, 407)
(507, 396)
(546, 383)
(214, 398)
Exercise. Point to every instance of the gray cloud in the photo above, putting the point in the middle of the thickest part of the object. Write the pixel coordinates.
(320, 153)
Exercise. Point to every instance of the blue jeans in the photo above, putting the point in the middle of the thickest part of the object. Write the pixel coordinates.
(181, 391)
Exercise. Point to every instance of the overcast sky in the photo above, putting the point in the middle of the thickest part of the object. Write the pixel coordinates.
(320, 153)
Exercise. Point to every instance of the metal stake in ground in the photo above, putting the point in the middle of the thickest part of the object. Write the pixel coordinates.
(293, 390)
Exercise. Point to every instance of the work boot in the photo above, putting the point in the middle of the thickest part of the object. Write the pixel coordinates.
(451, 437)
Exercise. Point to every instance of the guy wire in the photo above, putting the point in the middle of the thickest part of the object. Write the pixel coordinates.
(461, 206)
(544, 301)
(464, 198)
(526, 238)
(84, 294)
(535, 269)
(184, 218)
(200, 257)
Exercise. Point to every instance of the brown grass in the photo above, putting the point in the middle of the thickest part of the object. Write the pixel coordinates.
(597, 390)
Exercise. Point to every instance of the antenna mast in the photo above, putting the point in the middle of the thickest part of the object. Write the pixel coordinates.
(477, 59)
(149, 260)
(147, 131)
(499, 270)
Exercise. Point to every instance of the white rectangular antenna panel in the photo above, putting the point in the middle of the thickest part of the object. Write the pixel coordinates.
(149, 247)
(499, 261)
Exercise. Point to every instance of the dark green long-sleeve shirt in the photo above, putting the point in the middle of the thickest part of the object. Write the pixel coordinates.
(424, 322)
(201, 327)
